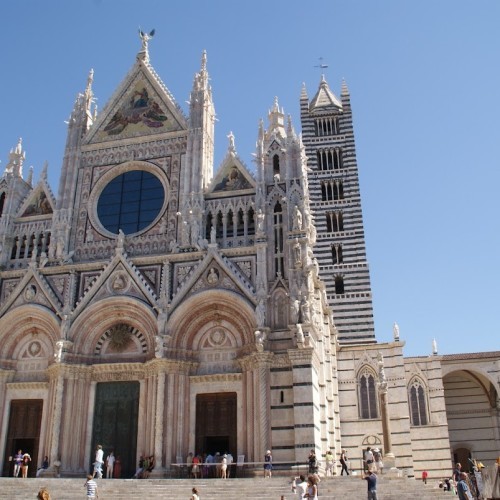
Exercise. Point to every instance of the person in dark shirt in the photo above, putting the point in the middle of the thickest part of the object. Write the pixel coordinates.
(371, 479)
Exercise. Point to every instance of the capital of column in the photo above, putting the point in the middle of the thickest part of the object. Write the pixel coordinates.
(256, 360)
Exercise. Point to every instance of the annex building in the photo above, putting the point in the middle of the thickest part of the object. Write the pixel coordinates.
(160, 304)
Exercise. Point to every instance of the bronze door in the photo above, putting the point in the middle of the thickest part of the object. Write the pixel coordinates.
(216, 423)
(25, 419)
(115, 423)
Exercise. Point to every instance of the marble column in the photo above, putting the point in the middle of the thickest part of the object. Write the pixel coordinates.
(159, 469)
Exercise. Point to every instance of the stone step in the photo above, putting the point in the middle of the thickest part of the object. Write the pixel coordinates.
(345, 488)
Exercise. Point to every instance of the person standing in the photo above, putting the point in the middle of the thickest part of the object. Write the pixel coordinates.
(25, 464)
(463, 489)
(343, 462)
(371, 479)
(18, 461)
(330, 463)
(312, 488)
(368, 459)
(424, 476)
(110, 465)
(300, 487)
(268, 464)
(223, 467)
(312, 462)
(99, 460)
(91, 486)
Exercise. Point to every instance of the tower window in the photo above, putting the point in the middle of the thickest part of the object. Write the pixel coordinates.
(337, 257)
(334, 222)
(339, 285)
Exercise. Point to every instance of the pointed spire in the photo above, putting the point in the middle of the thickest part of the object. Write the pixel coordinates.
(45, 170)
(16, 160)
(29, 180)
(89, 95)
(345, 90)
(276, 119)
(303, 92)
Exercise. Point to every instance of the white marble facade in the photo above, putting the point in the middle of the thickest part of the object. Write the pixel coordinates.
(223, 289)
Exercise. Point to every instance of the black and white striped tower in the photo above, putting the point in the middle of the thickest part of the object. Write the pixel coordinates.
(328, 137)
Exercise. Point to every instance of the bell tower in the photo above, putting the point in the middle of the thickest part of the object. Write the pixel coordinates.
(328, 138)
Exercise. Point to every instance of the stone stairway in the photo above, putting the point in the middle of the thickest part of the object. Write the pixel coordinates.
(338, 488)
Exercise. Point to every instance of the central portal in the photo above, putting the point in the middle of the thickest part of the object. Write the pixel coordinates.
(216, 423)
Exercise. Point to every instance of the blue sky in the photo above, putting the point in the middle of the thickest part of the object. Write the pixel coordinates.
(424, 80)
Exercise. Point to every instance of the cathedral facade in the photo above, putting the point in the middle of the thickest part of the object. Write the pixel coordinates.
(157, 306)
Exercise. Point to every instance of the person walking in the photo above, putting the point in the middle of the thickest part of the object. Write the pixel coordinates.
(91, 487)
(312, 462)
(25, 465)
(424, 476)
(99, 460)
(343, 462)
(18, 461)
(330, 463)
(194, 495)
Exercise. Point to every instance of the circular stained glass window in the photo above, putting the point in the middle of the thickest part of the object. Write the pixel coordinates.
(130, 202)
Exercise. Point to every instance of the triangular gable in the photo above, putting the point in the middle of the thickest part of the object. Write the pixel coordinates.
(232, 176)
(120, 277)
(278, 283)
(142, 105)
(214, 271)
(39, 201)
(32, 289)
(325, 98)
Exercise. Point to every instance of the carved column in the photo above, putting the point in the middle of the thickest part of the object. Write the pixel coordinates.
(389, 459)
(58, 384)
(160, 401)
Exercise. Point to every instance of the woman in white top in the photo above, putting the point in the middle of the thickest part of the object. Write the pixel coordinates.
(223, 467)
(194, 496)
(312, 488)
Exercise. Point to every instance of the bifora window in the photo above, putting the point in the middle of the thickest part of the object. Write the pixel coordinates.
(130, 202)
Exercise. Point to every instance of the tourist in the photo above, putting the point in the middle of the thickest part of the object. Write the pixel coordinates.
(18, 461)
(368, 459)
(463, 489)
(140, 468)
(268, 464)
(377, 459)
(25, 464)
(196, 466)
(312, 462)
(371, 479)
(312, 488)
(110, 464)
(44, 466)
(149, 465)
(43, 494)
(343, 462)
(194, 496)
(330, 463)
(457, 471)
(223, 467)
(230, 464)
(424, 476)
(209, 460)
(99, 460)
(91, 486)
(299, 487)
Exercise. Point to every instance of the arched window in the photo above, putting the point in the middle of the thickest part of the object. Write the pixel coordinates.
(240, 230)
(279, 312)
(276, 164)
(230, 225)
(334, 222)
(250, 221)
(367, 394)
(208, 226)
(279, 267)
(2, 203)
(337, 257)
(339, 285)
(418, 406)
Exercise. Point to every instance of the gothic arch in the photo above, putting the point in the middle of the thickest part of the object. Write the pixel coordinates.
(368, 407)
(97, 318)
(418, 400)
(279, 309)
(191, 321)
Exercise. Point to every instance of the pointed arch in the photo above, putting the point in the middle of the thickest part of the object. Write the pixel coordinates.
(417, 398)
(367, 393)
